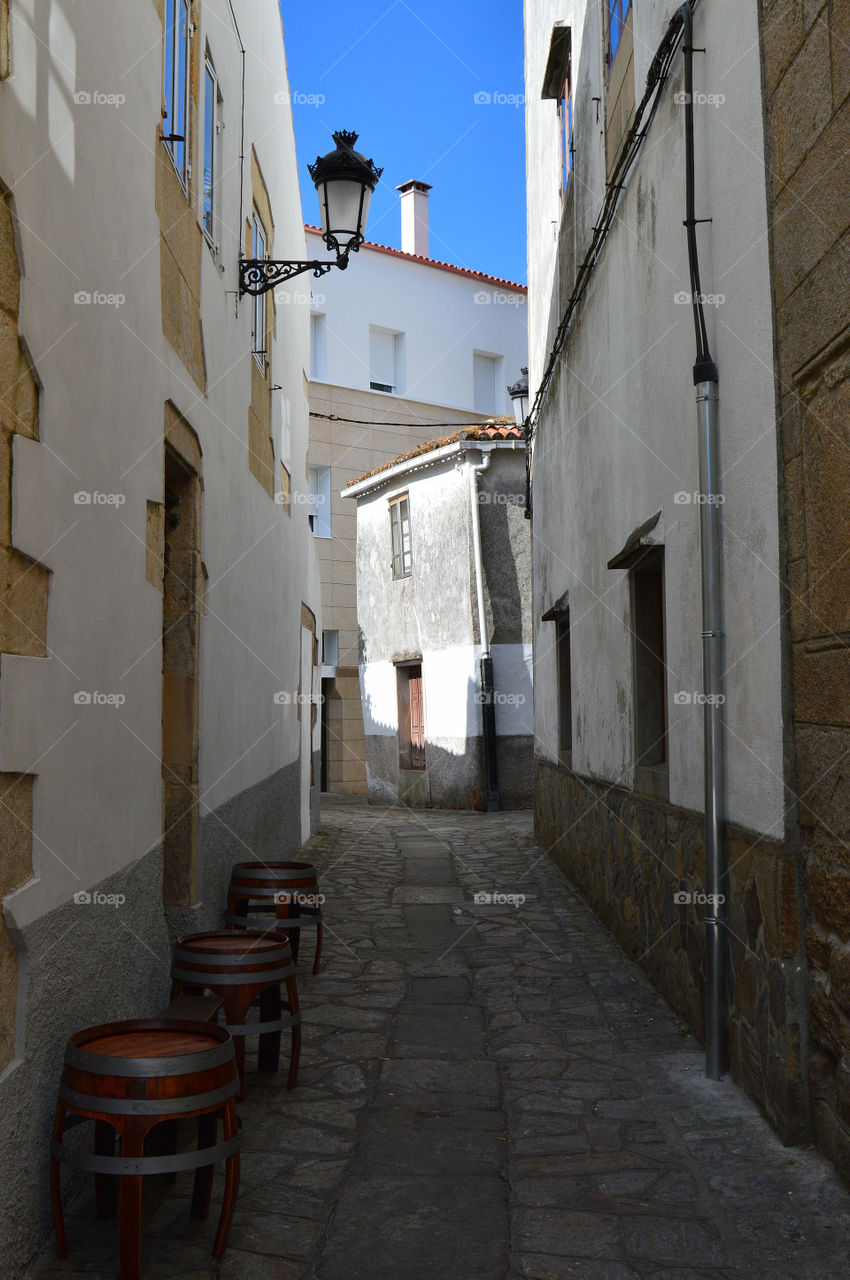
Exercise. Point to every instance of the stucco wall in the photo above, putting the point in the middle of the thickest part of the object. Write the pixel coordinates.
(79, 150)
(617, 438)
(432, 615)
(616, 443)
(443, 316)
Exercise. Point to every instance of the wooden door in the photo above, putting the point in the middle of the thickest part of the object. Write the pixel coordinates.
(417, 720)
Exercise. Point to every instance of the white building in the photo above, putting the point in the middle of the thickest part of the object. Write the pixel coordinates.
(162, 602)
(618, 680)
(402, 346)
(444, 606)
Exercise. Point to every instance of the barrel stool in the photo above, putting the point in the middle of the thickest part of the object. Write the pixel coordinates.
(288, 891)
(243, 969)
(129, 1077)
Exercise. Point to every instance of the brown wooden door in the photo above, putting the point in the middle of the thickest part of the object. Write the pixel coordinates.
(417, 720)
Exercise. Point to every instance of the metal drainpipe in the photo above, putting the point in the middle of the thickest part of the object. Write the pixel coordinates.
(488, 708)
(706, 380)
(712, 659)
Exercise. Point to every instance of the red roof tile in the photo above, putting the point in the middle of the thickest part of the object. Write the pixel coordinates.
(496, 429)
(434, 262)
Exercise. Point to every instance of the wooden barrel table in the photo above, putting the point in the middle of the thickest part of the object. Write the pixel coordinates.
(129, 1077)
(245, 968)
(287, 891)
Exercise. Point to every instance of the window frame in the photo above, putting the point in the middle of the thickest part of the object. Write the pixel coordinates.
(212, 133)
(177, 145)
(385, 388)
(617, 12)
(401, 561)
(566, 133)
(259, 301)
(650, 763)
(495, 363)
(564, 660)
(319, 477)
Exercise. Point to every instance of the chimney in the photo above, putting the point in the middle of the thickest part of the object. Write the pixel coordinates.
(414, 217)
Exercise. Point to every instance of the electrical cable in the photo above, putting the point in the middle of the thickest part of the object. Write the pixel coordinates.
(370, 422)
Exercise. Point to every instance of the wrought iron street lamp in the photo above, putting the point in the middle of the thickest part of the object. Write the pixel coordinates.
(344, 180)
(518, 393)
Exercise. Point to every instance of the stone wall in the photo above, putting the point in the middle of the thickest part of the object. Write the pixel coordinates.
(630, 856)
(806, 74)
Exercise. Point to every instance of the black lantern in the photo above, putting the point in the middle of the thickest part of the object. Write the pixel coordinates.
(344, 180)
(518, 393)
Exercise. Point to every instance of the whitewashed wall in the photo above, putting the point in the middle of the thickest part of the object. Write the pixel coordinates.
(617, 440)
(443, 315)
(82, 177)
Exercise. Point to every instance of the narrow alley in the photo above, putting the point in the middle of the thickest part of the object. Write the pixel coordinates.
(489, 1090)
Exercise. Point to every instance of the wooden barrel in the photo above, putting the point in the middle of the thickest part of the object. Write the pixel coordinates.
(227, 959)
(129, 1078)
(288, 891)
(245, 968)
(148, 1067)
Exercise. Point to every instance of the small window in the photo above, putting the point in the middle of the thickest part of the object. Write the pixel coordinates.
(285, 495)
(565, 685)
(411, 717)
(176, 84)
(400, 529)
(330, 648)
(212, 129)
(319, 509)
(565, 130)
(484, 381)
(384, 353)
(317, 347)
(258, 311)
(617, 11)
(649, 666)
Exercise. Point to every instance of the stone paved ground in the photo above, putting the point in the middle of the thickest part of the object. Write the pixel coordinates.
(487, 1093)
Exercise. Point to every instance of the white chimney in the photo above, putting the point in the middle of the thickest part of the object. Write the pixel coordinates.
(414, 217)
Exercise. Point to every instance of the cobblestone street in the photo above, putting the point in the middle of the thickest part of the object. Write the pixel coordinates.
(487, 1092)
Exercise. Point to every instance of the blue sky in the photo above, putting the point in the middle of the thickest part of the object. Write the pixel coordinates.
(435, 92)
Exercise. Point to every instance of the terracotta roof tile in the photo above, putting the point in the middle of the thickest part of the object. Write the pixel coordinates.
(434, 262)
(495, 429)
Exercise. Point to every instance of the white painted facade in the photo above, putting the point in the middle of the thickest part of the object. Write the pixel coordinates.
(81, 172)
(432, 616)
(441, 318)
(448, 342)
(617, 439)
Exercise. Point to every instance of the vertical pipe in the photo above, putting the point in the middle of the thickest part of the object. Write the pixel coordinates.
(712, 649)
(486, 689)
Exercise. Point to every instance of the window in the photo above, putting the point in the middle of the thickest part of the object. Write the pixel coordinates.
(565, 129)
(213, 126)
(565, 684)
(176, 84)
(484, 383)
(650, 698)
(317, 347)
(411, 717)
(330, 648)
(384, 360)
(400, 529)
(617, 11)
(557, 87)
(258, 309)
(319, 511)
(619, 78)
(284, 497)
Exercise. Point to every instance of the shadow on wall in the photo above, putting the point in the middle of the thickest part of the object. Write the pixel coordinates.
(504, 556)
